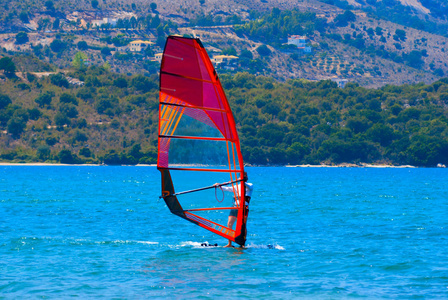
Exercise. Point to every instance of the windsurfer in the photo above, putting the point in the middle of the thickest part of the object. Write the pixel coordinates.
(234, 212)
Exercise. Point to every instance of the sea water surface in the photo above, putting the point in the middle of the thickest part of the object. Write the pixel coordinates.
(320, 233)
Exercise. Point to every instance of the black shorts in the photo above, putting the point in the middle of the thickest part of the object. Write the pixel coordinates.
(233, 213)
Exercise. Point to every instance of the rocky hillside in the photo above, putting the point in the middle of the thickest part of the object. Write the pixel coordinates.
(361, 45)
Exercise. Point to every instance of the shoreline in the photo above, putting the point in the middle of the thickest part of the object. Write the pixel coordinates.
(343, 165)
(362, 165)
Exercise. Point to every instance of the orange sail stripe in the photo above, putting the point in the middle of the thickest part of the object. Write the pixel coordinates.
(171, 117)
(212, 225)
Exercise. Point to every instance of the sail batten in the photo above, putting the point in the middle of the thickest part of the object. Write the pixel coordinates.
(187, 77)
(191, 106)
(193, 137)
(198, 140)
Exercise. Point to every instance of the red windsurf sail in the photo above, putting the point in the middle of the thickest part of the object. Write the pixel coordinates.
(198, 141)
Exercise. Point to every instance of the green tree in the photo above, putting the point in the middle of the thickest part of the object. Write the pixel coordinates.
(80, 136)
(49, 5)
(17, 124)
(16, 127)
(263, 50)
(400, 35)
(24, 17)
(94, 4)
(60, 119)
(43, 152)
(342, 20)
(57, 45)
(396, 109)
(68, 110)
(67, 157)
(7, 65)
(143, 83)
(79, 60)
(44, 99)
(383, 134)
(68, 98)
(153, 6)
(358, 124)
(51, 140)
(439, 72)
(121, 82)
(410, 113)
(246, 54)
(149, 52)
(43, 23)
(296, 152)
(135, 152)
(415, 59)
(4, 101)
(22, 38)
(379, 31)
(427, 151)
(85, 152)
(56, 24)
(102, 105)
(82, 45)
(112, 158)
(59, 80)
(30, 77)
(34, 114)
(105, 51)
(271, 133)
(272, 108)
(229, 51)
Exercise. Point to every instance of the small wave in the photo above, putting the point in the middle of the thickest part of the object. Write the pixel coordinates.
(273, 246)
(194, 244)
(77, 241)
(146, 242)
(125, 242)
(250, 246)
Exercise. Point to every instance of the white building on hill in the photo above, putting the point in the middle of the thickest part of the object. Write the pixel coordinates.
(300, 42)
(139, 45)
(229, 62)
(98, 23)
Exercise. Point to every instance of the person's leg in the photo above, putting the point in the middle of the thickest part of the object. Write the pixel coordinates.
(230, 223)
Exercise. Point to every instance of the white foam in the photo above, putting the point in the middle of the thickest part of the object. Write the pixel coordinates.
(196, 244)
(191, 244)
(273, 246)
(146, 242)
(252, 246)
(113, 242)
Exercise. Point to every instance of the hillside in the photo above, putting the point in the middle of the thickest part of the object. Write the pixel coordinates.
(93, 115)
(426, 15)
(365, 49)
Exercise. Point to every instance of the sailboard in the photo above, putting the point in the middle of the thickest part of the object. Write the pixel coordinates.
(198, 144)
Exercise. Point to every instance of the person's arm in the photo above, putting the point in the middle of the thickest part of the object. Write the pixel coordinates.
(227, 188)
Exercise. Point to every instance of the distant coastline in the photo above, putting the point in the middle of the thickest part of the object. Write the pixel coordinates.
(347, 165)
(343, 165)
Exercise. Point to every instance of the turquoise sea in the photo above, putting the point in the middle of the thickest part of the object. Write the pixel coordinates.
(336, 233)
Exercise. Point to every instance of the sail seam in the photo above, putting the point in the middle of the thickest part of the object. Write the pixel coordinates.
(195, 107)
(186, 77)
